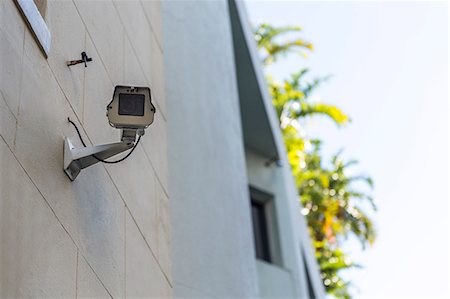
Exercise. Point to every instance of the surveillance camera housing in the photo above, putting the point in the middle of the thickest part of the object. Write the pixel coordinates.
(131, 108)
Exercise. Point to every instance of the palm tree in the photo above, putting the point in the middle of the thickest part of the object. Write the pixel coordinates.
(331, 203)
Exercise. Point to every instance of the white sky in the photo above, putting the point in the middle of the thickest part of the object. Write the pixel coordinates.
(390, 67)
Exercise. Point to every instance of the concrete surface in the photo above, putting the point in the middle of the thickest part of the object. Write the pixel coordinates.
(108, 232)
(212, 242)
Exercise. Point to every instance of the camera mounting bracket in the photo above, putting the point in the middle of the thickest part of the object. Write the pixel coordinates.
(76, 159)
(129, 135)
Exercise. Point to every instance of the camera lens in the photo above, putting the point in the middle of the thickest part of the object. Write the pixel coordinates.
(131, 104)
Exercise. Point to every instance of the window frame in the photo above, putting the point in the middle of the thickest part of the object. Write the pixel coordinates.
(260, 231)
(267, 202)
(36, 24)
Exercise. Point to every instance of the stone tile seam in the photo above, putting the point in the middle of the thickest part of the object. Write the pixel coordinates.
(76, 276)
(20, 87)
(139, 229)
(151, 251)
(134, 51)
(54, 214)
(21, 65)
(7, 106)
(64, 93)
(56, 80)
(98, 52)
(159, 43)
(95, 273)
(92, 40)
(142, 70)
(156, 173)
(54, 76)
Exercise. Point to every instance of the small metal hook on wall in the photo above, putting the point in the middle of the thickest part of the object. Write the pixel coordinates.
(84, 59)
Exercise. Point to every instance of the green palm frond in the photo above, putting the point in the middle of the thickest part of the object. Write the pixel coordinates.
(333, 112)
(331, 198)
(266, 37)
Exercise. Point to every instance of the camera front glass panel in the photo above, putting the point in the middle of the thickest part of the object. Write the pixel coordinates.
(131, 104)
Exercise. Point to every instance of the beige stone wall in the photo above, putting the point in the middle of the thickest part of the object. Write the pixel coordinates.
(108, 232)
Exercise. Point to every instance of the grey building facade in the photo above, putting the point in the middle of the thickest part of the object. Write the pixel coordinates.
(228, 201)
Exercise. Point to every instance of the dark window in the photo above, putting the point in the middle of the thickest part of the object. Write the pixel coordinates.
(265, 232)
(260, 231)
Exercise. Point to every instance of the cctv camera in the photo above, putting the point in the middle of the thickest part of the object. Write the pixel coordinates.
(131, 108)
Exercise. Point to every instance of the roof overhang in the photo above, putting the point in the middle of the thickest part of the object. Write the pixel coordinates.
(259, 122)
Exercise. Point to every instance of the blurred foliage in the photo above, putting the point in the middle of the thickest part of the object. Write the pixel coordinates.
(331, 199)
(266, 37)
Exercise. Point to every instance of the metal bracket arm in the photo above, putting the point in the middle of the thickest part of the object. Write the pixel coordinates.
(76, 159)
